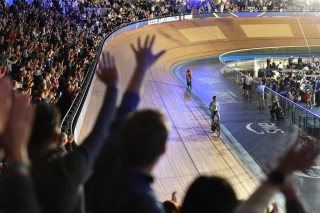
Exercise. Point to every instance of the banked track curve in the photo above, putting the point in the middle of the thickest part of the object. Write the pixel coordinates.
(192, 149)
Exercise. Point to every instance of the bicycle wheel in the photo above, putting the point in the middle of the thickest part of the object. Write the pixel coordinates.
(218, 129)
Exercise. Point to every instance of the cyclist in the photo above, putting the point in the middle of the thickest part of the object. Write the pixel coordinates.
(214, 109)
(189, 78)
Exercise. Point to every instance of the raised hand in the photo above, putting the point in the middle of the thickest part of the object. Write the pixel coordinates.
(5, 102)
(107, 71)
(144, 56)
(299, 159)
(70, 138)
(16, 136)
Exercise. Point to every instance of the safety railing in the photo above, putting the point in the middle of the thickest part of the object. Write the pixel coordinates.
(307, 121)
(71, 118)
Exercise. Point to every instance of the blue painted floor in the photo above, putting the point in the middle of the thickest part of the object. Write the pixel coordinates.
(264, 140)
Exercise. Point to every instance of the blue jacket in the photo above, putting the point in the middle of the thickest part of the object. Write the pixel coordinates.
(117, 188)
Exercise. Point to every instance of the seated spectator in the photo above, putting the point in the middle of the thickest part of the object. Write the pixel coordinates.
(4, 57)
(280, 66)
(63, 140)
(275, 109)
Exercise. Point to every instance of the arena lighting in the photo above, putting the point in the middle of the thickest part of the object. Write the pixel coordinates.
(10, 2)
(268, 87)
(195, 1)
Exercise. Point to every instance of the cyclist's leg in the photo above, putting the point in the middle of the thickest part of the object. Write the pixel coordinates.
(218, 129)
(212, 119)
(218, 116)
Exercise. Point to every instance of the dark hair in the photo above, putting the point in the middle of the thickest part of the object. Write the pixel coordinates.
(45, 125)
(214, 97)
(143, 137)
(209, 194)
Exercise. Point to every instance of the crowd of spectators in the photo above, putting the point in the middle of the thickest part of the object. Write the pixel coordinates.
(170, 7)
(116, 160)
(47, 51)
(47, 47)
(296, 80)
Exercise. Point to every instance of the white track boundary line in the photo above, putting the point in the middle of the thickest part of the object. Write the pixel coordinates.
(303, 34)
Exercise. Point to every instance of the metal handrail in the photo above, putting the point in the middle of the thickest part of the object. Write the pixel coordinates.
(267, 87)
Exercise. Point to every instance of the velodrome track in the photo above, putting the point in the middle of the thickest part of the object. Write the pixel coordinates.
(192, 149)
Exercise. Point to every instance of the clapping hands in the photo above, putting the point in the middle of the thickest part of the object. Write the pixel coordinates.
(299, 159)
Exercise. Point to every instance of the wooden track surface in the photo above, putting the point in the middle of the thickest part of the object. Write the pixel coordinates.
(192, 149)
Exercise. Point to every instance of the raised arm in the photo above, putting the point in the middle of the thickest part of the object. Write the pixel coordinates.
(294, 204)
(295, 159)
(145, 59)
(111, 149)
(86, 154)
(17, 179)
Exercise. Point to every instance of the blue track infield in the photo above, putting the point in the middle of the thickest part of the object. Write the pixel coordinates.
(247, 128)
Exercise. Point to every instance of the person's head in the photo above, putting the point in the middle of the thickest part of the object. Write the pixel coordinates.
(45, 132)
(144, 137)
(63, 139)
(214, 98)
(275, 99)
(15, 85)
(209, 194)
(44, 94)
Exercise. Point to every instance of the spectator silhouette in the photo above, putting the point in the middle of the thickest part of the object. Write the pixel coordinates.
(58, 180)
(122, 178)
(209, 194)
(214, 194)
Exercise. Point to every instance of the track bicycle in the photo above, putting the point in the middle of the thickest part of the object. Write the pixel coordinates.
(216, 128)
